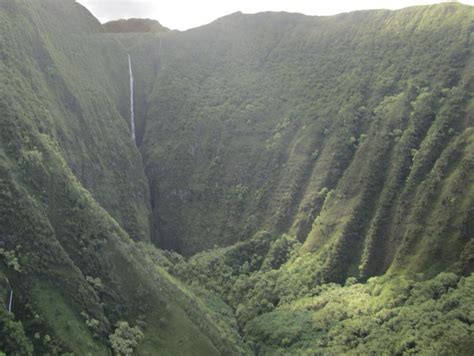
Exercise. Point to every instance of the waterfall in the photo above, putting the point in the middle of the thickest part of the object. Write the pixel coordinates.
(10, 302)
(132, 109)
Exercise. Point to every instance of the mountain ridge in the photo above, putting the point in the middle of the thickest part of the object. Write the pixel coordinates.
(134, 25)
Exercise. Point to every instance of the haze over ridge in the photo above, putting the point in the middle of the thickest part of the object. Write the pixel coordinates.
(184, 14)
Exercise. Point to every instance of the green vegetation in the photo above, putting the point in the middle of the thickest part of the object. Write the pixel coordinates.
(400, 316)
(13, 340)
(286, 106)
(300, 185)
(10, 259)
(125, 338)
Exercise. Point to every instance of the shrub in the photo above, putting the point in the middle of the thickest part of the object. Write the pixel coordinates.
(11, 260)
(125, 338)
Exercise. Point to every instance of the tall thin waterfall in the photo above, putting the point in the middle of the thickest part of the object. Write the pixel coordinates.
(10, 301)
(132, 108)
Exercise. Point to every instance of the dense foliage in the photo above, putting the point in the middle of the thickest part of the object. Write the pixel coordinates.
(74, 196)
(125, 339)
(338, 131)
(398, 317)
(316, 173)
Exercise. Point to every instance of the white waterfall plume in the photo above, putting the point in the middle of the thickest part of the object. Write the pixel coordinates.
(10, 301)
(132, 108)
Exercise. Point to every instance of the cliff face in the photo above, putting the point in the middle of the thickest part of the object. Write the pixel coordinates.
(347, 139)
(76, 85)
(351, 133)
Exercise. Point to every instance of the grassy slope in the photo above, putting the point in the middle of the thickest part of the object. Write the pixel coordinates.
(52, 94)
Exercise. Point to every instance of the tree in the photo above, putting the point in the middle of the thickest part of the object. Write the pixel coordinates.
(125, 338)
(12, 336)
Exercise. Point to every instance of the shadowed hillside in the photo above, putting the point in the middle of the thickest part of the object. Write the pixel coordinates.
(74, 197)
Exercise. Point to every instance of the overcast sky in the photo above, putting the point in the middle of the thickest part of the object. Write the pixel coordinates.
(185, 14)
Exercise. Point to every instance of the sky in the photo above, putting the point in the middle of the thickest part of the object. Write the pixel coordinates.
(186, 14)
